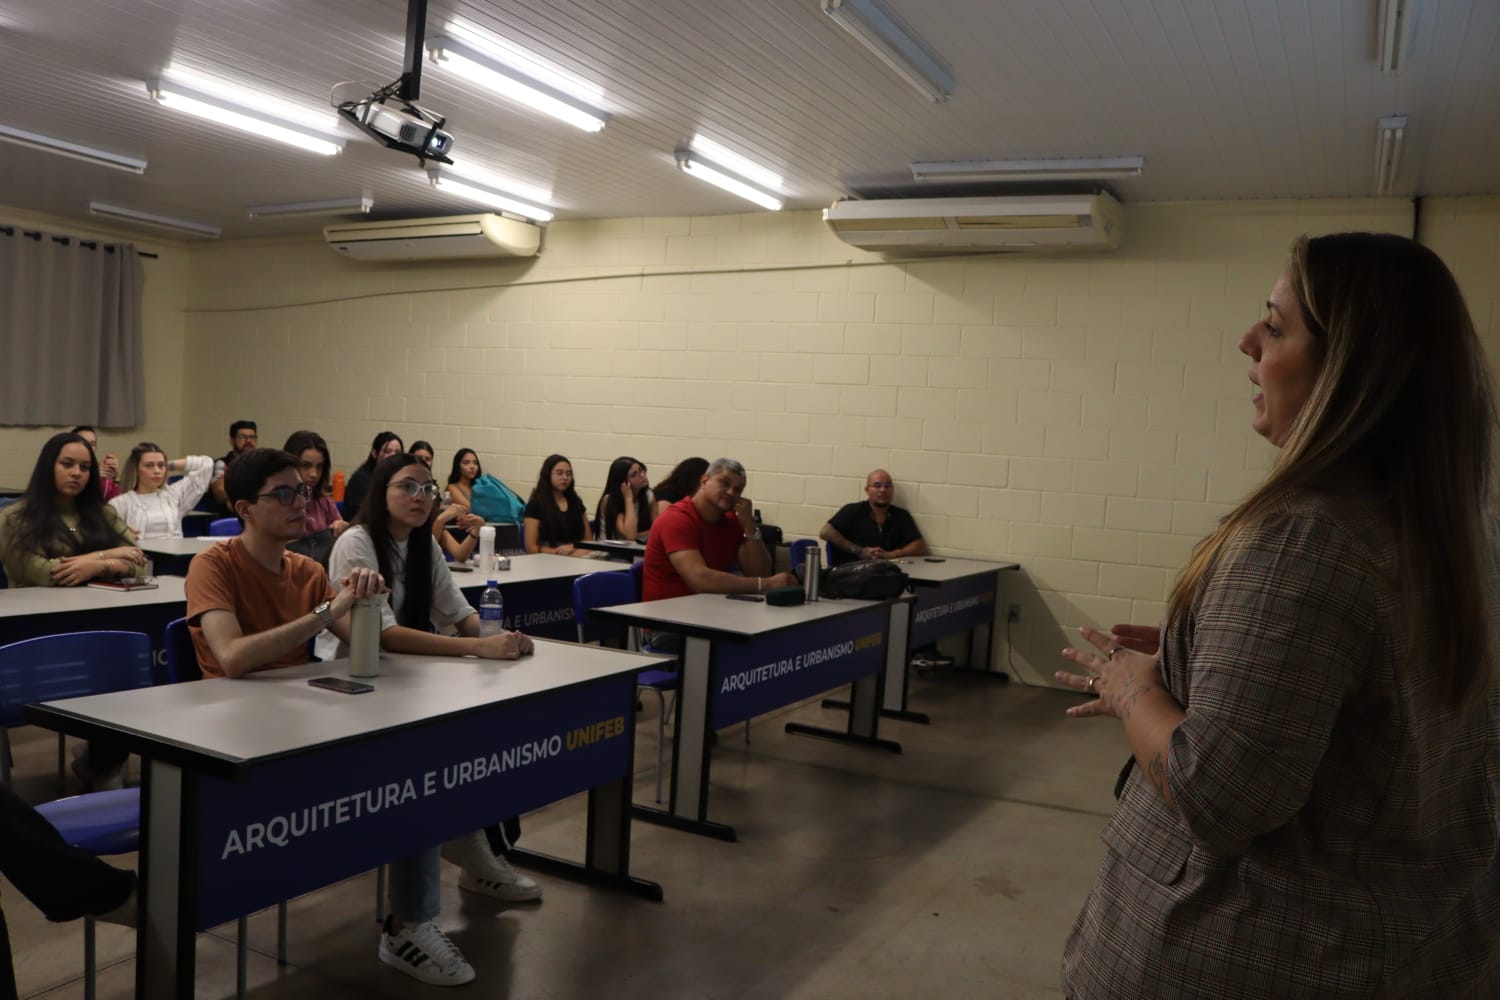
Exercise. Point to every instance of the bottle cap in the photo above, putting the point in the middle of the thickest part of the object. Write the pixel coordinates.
(492, 583)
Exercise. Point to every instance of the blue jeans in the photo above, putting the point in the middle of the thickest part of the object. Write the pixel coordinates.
(416, 885)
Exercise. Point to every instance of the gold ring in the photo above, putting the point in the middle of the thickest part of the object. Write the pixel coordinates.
(1113, 650)
(1090, 686)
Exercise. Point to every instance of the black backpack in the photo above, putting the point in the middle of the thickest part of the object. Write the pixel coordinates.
(870, 580)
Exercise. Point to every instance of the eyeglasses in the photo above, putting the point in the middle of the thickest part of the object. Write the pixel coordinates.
(411, 488)
(286, 494)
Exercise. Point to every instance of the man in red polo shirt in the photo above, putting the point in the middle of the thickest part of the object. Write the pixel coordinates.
(695, 541)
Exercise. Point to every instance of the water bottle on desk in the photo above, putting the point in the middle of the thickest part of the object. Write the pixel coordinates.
(491, 610)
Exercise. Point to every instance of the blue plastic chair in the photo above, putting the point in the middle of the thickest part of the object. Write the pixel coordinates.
(101, 823)
(799, 549)
(225, 527)
(53, 667)
(602, 590)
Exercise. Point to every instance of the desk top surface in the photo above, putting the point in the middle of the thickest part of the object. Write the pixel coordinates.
(918, 568)
(613, 545)
(529, 569)
(276, 713)
(722, 614)
(178, 546)
(71, 600)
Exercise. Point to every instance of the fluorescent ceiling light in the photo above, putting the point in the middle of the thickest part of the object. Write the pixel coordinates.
(488, 70)
(221, 112)
(72, 150)
(484, 196)
(735, 163)
(883, 35)
(1083, 169)
(694, 166)
(357, 205)
(1395, 19)
(1388, 145)
(151, 219)
(486, 178)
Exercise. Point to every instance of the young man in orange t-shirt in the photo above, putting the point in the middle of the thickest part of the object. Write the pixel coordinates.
(252, 605)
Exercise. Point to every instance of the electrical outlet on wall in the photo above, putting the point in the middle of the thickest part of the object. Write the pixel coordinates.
(1013, 613)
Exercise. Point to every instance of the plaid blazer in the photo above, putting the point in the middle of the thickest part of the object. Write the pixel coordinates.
(1335, 830)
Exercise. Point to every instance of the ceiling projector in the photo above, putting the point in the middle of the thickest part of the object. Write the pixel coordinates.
(409, 129)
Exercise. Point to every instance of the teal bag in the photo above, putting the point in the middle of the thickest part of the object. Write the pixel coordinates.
(495, 502)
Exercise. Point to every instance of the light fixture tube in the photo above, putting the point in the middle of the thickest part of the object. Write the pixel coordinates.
(694, 166)
(1394, 18)
(1388, 152)
(221, 112)
(151, 219)
(484, 196)
(1080, 169)
(487, 71)
(72, 150)
(359, 205)
(868, 21)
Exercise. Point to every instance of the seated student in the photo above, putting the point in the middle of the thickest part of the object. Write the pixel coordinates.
(696, 541)
(555, 517)
(385, 445)
(252, 606)
(61, 533)
(151, 506)
(316, 469)
(873, 529)
(624, 510)
(62, 881)
(461, 478)
(681, 482)
(243, 437)
(424, 451)
(392, 536)
(109, 466)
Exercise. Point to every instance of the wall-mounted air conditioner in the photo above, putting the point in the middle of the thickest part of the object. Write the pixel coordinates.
(1015, 222)
(449, 238)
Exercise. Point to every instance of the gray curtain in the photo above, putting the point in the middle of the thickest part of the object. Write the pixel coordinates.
(71, 343)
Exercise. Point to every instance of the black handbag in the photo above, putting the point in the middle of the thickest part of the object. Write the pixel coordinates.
(870, 580)
(317, 546)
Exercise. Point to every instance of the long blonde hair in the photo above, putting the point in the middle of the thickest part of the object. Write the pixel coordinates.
(1404, 397)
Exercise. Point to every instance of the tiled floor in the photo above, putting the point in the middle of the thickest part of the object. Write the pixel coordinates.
(952, 870)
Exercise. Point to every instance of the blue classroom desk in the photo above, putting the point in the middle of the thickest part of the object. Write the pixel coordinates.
(742, 659)
(538, 592)
(28, 612)
(260, 789)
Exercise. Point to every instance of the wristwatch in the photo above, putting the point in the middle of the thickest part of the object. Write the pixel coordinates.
(324, 613)
(754, 536)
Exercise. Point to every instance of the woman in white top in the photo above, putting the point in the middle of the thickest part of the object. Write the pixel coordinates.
(423, 595)
(152, 507)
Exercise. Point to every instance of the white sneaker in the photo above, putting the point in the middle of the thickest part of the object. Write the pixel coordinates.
(485, 872)
(424, 952)
(504, 883)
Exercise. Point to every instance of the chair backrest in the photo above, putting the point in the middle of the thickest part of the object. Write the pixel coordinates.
(601, 590)
(69, 666)
(225, 527)
(638, 574)
(800, 549)
(182, 657)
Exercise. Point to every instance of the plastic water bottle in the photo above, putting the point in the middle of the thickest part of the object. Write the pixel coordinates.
(447, 499)
(491, 611)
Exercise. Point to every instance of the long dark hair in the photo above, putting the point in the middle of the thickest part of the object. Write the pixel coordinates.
(40, 526)
(554, 526)
(301, 441)
(609, 504)
(457, 476)
(1403, 396)
(683, 480)
(416, 604)
(131, 473)
(381, 440)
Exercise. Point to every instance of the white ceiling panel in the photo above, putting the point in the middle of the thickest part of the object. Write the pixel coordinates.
(1224, 98)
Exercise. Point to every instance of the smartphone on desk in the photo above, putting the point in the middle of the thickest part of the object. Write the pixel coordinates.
(341, 685)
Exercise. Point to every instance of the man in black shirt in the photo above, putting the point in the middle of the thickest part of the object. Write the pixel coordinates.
(875, 529)
(243, 437)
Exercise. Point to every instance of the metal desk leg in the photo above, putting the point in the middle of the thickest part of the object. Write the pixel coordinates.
(165, 943)
(865, 698)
